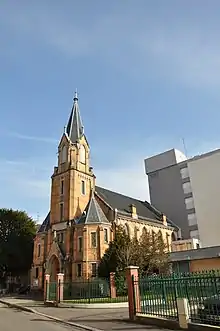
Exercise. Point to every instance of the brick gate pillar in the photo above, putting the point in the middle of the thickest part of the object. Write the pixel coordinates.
(132, 279)
(46, 287)
(59, 287)
(112, 285)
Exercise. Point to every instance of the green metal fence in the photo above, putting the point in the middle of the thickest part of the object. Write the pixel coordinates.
(158, 296)
(121, 287)
(52, 291)
(203, 293)
(93, 290)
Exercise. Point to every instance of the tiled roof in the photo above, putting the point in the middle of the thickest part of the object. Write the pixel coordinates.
(123, 202)
(45, 225)
(74, 128)
(93, 213)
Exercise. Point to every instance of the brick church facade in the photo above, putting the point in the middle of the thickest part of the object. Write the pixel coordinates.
(79, 226)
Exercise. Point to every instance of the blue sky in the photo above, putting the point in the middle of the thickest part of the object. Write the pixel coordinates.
(147, 72)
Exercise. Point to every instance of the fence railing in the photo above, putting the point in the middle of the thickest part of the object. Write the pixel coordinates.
(93, 290)
(52, 293)
(155, 298)
(158, 296)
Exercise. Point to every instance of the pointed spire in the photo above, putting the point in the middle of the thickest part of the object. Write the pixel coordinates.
(74, 128)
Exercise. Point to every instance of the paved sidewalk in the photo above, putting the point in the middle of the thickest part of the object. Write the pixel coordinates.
(90, 319)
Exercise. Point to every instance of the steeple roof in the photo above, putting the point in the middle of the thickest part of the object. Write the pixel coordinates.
(93, 213)
(74, 128)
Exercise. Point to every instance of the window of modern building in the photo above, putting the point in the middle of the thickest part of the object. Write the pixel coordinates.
(94, 269)
(93, 239)
(79, 270)
(83, 187)
(194, 234)
(62, 187)
(189, 202)
(80, 244)
(106, 235)
(192, 220)
(61, 211)
(184, 172)
(187, 188)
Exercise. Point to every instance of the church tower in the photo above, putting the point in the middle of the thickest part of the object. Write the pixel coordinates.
(73, 178)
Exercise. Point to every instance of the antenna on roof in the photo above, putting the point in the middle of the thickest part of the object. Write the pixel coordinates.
(184, 147)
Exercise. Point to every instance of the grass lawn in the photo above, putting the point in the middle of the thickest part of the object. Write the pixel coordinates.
(98, 300)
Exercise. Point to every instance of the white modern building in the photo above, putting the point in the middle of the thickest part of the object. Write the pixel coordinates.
(188, 192)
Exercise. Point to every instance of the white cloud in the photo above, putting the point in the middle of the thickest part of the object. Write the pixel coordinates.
(33, 138)
(128, 181)
(183, 49)
(189, 53)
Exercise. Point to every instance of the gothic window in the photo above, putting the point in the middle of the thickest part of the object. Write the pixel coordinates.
(153, 236)
(63, 154)
(94, 269)
(38, 250)
(127, 230)
(82, 154)
(106, 235)
(61, 238)
(61, 211)
(135, 232)
(144, 231)
(79, 270)
(62, 187)
(83, 187)
(160, 236)
(80, 244)
(93, 239)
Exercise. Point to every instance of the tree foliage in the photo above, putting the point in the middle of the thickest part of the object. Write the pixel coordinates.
(17, 231)
(149, 253)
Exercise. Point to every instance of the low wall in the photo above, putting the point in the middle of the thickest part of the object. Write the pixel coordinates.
(157, 321)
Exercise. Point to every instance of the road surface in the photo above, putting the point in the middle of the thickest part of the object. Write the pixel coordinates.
(16, 320)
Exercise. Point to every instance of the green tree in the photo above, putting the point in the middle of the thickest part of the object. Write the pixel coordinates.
(17, 231)
(153, 255)
(149, 253)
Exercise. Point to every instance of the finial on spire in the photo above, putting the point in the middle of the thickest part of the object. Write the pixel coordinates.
(76, 95)
(64, 129)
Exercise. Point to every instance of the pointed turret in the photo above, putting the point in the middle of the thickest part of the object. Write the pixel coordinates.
(93, 213)
(74, 128)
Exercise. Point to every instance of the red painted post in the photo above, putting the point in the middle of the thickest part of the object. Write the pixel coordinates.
(134, 302)
(46, 287)
(112, 285)
(59, 288)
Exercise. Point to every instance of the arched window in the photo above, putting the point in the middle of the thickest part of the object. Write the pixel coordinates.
(173, 237)
(160, 237)
(82, 154)
(127, 230)
(63, 154)
(135, 232)
(144, 231)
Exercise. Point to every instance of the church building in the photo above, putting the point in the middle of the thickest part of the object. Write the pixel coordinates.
(79, 226)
